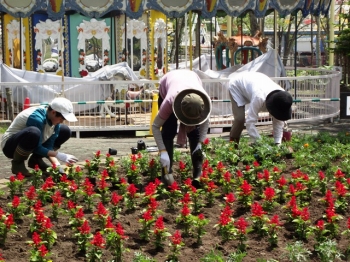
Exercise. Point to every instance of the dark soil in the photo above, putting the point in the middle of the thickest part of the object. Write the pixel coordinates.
(65, 248)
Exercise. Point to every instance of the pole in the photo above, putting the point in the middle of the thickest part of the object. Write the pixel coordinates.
(154, 112)
(331, 35)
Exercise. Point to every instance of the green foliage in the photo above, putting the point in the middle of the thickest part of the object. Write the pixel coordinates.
(139, 257)
(328, 251)
(213, 255)
(296, 252)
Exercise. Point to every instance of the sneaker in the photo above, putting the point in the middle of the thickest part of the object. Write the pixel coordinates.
(196, 184)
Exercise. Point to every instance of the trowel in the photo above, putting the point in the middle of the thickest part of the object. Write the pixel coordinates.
(168, 178)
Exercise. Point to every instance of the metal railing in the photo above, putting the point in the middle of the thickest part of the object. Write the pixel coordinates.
(107, 106)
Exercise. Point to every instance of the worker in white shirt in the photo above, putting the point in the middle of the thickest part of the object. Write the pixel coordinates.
(261, 92)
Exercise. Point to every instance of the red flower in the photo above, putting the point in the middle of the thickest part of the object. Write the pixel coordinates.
(132, 190)
(176, 239)
(43, 251)
(186, 199)
(20, 177)
(230, 198)
(348, 223)
(57, 198)
(174, 187)
(321, 175)
(16, 201)
(241, 225)
(9, 221)
(79, 214)
(98, 240)
(246, 188)
(239, 173)
(305, 215)
(211, 186)
(339, 174)
(220, 166)
(102, 185)
(201, 216)
(182, 166)
(31, 193)
(275, 221)
(256, 164)
(85, 228)
(282, 181)
(109, 223)
(120, 231)
(340, 188)
(257, 210)
(71, 204)
(147, 216)
(153, 204)
(36, 238)
(227, 177)
(206, 141)
(320, 225)
(185, 210)
(115, 198)
(159, 225)
(47, 224)
(266, 175)
(151, 163)
(101, 210)
(269, 194)
(150, 189)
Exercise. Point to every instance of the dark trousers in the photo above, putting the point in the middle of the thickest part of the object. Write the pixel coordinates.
(28, 139)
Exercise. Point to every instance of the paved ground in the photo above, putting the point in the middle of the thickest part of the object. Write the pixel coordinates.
(84, 148)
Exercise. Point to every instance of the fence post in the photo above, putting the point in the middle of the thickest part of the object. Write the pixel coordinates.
(9, 102)
(154, 112)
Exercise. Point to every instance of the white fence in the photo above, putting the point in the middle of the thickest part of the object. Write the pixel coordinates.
(106, 106)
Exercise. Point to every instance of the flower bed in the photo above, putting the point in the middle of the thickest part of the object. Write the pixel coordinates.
(258, 203)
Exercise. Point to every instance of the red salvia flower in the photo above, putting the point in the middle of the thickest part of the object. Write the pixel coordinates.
(275, 221)
(79, 214)
(185, 210)
(151, 163)
(266, 175)
(206, 141)
(85, 228)
(305, 215)
(320, 225)
(186, 199)
(101, 210)
(133, 167)
(299, 186)
(57, 198)
(330, 214)
(276, 169)
(153, 204)
(16, 201)
(256, 164)
(239, 173)
(241, 225)
(64, 179)
(48, 184)
(105, 174)
(176, 239)
(147, 216)
(339, 174)
(292, 190)
(282, 181)
(132, 190)
(227, 176)
(9, 221)
(246, 188)
(98, 240)
(257, 210)
(12, 179)
(36, 238)
(340, 188)
(102, 185)
(150, 189)
(123, 181)
(109, 223)
(115, 198)
(260, 176)
(188, 182)
(321, 175)
(120, 231)
(43, 251)
(71, 204)
(159, 225)
(201, 216)
(211, 186)
(174, 187)
(182, 165)
(230, 198)
(220, 166)
(47, 224)
(31, 193)
(20, 177)
(269, 194)
(247, 168)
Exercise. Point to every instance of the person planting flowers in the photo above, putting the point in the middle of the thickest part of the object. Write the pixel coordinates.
(258, 90)
(39, 132)
(181, 97)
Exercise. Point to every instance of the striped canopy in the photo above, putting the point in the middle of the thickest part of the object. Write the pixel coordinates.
(56, 9)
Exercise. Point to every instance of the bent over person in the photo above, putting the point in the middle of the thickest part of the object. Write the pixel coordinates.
(181, 97)
(39, 132)
(262, 93)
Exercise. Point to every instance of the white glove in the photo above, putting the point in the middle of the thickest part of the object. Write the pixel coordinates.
(69, 159)
(164, 159)
(198, 147)
(60, 168)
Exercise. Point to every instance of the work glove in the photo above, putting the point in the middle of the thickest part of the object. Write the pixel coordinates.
(60, 168)
(69, 159)
(164, 159)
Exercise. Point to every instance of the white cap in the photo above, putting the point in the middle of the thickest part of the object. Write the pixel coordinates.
(65, 107)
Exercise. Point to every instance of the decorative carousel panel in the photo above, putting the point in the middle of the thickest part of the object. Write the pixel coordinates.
(93, 8)
(285, 7)
(21, 8)
(16, 48)
(209, 8)
(237, 7)
(316, 7)
(308, 7)
(56, 9)
(174, 8)
(134, 8)
(325, 7)
(90, 44)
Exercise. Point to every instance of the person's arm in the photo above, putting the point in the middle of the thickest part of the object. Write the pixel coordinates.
(277, 127)
(157, 134)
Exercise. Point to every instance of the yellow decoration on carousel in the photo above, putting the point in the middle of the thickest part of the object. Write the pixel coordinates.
(210, 5)
(262, 4)
(135, 5)
(56, 5)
